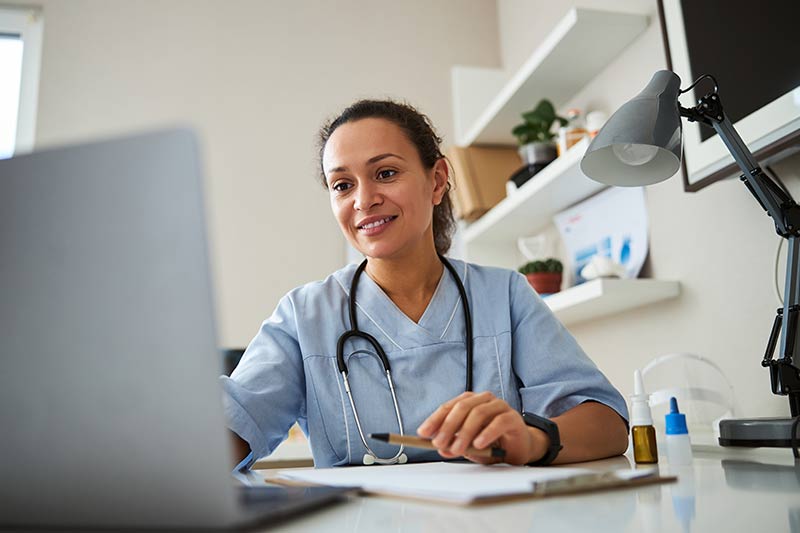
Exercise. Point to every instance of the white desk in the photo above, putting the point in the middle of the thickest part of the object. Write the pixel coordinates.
(726, 490)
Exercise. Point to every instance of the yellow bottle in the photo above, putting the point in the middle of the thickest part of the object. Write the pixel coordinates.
(643, 433)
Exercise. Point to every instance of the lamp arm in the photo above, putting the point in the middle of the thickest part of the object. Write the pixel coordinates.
(785, 213)
(779, 205)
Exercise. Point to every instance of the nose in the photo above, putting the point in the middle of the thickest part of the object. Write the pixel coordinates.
(367, 196)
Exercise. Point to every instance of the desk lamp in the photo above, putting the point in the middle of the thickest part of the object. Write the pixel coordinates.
(641, 145)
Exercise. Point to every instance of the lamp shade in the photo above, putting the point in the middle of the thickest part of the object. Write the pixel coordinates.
(641, 143)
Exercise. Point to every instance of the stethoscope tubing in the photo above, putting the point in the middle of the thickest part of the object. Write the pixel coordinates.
(354, 332)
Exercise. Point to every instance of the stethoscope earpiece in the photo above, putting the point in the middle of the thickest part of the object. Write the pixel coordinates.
(369, 459)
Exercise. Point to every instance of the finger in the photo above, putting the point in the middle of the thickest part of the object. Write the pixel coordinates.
(430, 426)
(478, 418)
(482, 459)
(447, 454)
(455, 418)
(499, 426)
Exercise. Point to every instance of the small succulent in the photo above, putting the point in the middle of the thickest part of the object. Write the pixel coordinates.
(548, 265)
(537, 124)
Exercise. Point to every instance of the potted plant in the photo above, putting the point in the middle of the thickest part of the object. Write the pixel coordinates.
(537, 148)
(544, 276)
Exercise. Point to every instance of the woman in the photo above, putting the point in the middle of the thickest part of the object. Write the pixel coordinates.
(389, 191)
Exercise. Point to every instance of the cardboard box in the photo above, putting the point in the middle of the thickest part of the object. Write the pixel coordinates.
(479, 177)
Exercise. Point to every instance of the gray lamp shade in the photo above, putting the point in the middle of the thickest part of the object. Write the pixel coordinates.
(641, 143)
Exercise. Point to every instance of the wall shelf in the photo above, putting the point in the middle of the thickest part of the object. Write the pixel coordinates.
(602, 297)
(487, 104)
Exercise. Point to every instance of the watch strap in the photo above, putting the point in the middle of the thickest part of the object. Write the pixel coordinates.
(551, 429)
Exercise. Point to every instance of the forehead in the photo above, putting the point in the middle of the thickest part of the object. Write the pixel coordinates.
(353, 143)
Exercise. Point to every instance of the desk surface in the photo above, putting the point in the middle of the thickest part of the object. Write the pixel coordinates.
(726, 490)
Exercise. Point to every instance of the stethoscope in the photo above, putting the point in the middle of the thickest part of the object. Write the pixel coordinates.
(371, 457)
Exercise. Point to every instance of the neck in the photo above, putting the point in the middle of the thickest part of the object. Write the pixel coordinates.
(412, 278)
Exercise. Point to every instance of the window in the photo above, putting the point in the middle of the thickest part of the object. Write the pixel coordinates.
(20, 54)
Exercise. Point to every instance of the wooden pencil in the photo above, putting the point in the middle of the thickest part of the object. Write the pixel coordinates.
(419, 442)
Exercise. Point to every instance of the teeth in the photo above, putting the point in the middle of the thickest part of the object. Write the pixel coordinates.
(376, 223)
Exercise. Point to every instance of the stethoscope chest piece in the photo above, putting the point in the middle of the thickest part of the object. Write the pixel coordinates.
(370, 459)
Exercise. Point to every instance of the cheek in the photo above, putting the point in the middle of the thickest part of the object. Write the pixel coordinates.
(422, 201)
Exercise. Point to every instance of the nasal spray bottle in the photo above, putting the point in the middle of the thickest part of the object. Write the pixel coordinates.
(679, 447)
(643, 433)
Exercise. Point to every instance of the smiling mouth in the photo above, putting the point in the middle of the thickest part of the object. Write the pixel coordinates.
(377, 223)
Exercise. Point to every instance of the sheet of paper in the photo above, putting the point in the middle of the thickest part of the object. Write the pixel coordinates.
(456, 482)
(612, 223)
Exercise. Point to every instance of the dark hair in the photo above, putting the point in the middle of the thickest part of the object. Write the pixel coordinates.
(420, 132)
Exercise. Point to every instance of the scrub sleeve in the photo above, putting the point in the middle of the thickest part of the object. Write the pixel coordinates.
(555, 373)
(272, 367)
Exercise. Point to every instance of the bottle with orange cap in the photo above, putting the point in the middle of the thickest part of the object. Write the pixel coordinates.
(572, 132)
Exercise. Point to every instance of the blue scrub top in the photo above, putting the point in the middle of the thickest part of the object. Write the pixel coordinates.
(288, 374)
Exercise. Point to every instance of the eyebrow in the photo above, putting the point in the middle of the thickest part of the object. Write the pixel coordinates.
(370, 161)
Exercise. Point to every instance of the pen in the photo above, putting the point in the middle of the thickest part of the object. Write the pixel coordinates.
(418, 442)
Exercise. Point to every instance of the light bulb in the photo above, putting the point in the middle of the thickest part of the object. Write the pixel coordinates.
(634, 154)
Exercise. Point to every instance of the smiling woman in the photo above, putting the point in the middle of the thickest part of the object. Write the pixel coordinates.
(415, 145)
(410, 335)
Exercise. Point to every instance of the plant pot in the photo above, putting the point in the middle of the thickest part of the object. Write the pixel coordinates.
(545, 282)
(538, 153)
(536, 156)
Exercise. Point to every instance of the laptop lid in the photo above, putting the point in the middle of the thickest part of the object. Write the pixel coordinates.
(109, 406)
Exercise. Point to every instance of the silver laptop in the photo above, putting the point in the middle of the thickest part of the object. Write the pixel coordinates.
(110, 411)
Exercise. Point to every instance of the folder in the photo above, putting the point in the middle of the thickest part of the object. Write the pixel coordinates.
(468, 483)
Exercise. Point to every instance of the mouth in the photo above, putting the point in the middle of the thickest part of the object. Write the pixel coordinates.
(376, 224)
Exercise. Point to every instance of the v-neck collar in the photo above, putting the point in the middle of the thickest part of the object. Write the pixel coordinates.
(422, 319)
(376, 310)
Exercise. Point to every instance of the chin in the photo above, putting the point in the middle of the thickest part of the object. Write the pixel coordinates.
(378, 251)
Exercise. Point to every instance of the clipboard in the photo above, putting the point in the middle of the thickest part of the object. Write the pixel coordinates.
(568, 481)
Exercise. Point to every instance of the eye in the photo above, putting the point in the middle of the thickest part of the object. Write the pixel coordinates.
(340, 186)
(386, 173)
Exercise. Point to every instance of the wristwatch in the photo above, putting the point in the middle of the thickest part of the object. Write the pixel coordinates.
(549, 427)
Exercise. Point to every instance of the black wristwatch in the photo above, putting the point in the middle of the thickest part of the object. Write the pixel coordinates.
(549, 427)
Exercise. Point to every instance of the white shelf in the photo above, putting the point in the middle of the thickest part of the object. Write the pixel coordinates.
(531, 207)
(487, 104)
(581, 45)
(603, 297)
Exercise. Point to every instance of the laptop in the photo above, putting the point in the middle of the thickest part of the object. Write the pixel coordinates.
(110, 409)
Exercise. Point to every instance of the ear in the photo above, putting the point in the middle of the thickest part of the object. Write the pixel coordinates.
(441, 173)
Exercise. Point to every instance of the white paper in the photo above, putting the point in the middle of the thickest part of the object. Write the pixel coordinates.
(455, 482)
(612, 223)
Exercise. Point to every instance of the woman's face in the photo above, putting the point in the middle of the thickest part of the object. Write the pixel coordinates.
(381, 194)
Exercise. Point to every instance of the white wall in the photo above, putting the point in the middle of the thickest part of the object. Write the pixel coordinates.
(717, 242)
(257, 79)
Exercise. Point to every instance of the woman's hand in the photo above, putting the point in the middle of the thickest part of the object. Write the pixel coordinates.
(483, 420)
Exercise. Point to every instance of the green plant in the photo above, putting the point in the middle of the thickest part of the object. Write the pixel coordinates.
(548, 265)
(537, 124)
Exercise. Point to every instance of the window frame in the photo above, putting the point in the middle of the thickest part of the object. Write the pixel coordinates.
(28, 23)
